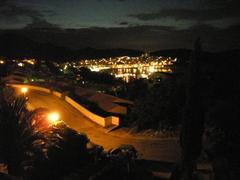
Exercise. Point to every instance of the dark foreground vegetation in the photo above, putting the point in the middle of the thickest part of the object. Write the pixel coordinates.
(32, 148)
(210, 125)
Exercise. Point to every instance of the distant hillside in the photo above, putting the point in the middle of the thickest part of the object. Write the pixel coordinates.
(13, 45)
(183, 55)
(97, 53)
(172, 52)
(16, 46)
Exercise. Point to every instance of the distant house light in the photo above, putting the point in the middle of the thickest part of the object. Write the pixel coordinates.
(20, 64)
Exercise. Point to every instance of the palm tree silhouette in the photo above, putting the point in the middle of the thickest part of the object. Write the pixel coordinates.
(21, 139)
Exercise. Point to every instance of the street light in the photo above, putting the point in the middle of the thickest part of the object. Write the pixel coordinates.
(24, 90)
(53, 118)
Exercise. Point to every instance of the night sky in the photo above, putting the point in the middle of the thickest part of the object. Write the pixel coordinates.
(137, 24)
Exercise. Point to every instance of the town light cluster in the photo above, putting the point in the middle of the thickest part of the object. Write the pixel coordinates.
(125, 67)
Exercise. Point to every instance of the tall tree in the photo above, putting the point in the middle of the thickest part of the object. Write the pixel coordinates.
(193, 121)
(21, 137)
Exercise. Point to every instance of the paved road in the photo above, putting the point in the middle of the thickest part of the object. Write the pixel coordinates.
(150, 149)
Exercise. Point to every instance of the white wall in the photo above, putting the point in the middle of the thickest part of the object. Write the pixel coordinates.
(104, 122)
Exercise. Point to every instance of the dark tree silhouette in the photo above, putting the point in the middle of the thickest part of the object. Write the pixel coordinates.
(161, 109)
(20, 137)
(193, 120)
(120, 164)
(222, 123)
(66, 151)
(138, 89)
(3, 70)
(53, 69)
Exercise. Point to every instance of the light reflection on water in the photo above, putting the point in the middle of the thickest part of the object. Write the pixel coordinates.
(131, 73)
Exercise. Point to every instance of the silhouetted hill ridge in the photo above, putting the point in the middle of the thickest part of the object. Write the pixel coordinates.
(16, 46)
(184, 55)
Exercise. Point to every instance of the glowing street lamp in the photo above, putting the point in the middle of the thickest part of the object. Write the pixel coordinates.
(54, 118)
(20, 64)
(24, 90)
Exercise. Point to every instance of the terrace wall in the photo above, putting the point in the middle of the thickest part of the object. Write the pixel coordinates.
(102, 121)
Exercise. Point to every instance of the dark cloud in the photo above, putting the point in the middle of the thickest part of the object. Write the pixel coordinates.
(114, 0)
(39, 23)
(141, 37)
(207, 10)
(221, 3)
(189, 14)
(123, 23)
(49, 12)
(13, 12)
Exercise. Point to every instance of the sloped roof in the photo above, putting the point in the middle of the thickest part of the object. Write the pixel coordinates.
(99, 97)
(107, 102)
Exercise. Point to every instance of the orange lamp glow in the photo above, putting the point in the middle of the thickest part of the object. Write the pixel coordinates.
(54, 118)
(24, 90)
